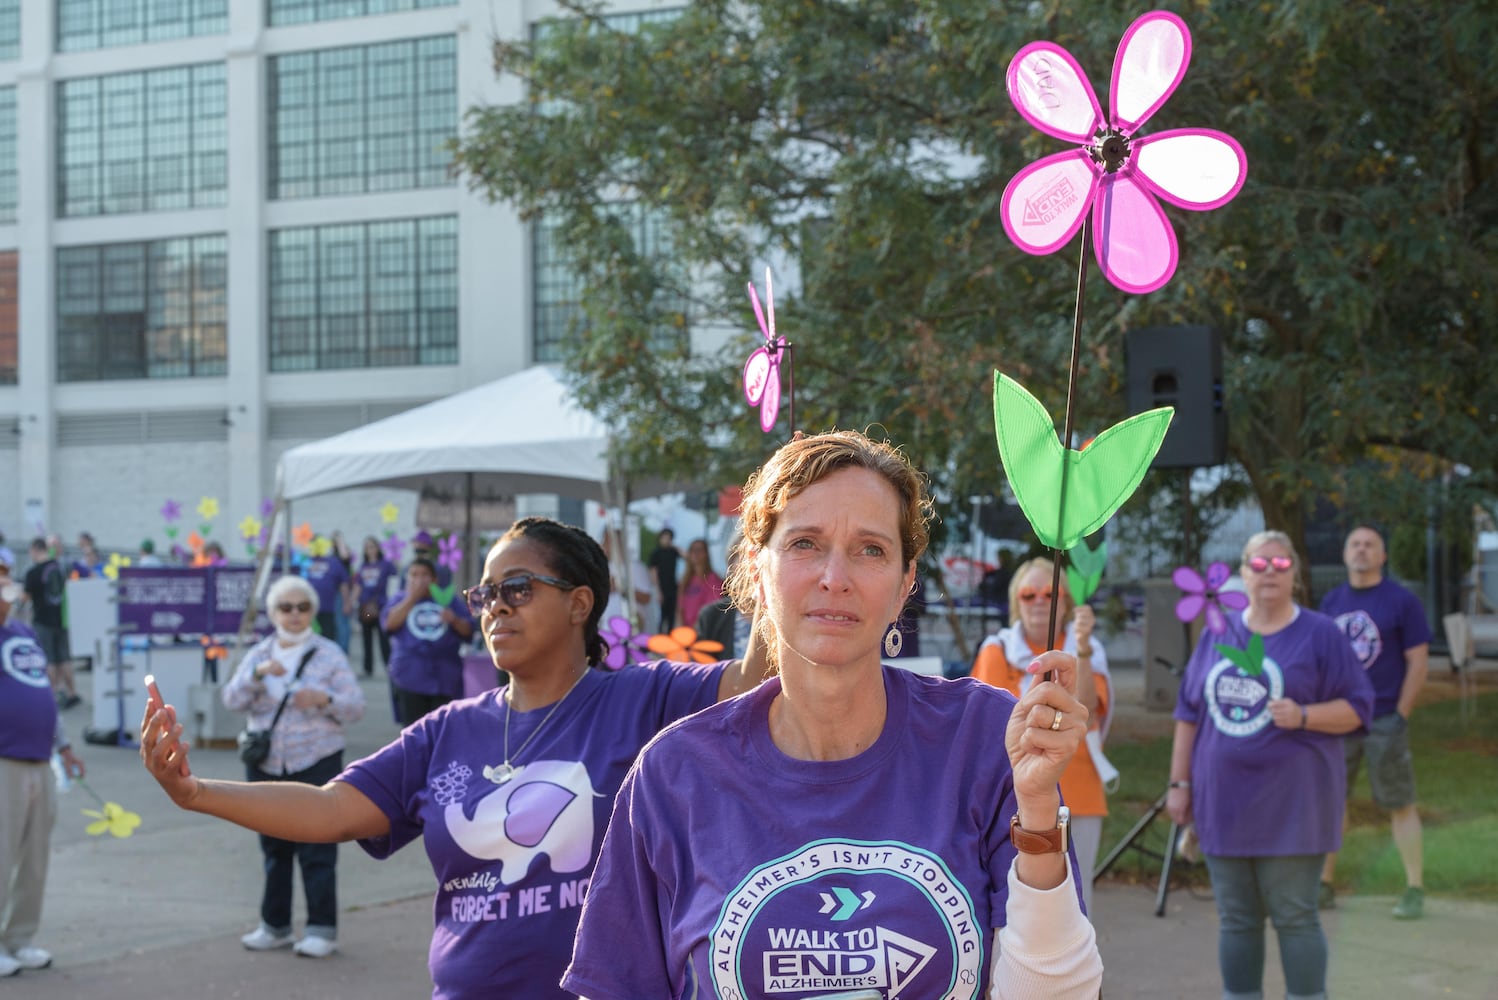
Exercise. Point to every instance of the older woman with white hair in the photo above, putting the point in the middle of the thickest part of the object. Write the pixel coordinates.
(1258, 764)
(299, 686)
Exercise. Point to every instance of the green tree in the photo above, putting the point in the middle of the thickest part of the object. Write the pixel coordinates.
(869, 142)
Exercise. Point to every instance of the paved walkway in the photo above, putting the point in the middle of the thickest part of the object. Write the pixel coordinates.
(158, 915)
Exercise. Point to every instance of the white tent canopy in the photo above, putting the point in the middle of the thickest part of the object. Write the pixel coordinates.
(520, 434)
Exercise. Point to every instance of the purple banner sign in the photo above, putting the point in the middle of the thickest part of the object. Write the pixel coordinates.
(232, 587)
(165, 600)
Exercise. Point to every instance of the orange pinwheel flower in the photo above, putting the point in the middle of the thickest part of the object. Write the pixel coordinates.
(681, 644)
(302, 536)
(195, 542)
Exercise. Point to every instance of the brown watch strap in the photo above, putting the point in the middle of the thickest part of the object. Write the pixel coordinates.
(1051, 841)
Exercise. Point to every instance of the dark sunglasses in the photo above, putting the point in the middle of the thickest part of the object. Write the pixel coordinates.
(514, 591)
(301, 608)
(1028, 594)
(1280, 563)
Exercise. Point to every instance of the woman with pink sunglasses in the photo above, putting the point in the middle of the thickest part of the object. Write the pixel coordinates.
(1258, 765)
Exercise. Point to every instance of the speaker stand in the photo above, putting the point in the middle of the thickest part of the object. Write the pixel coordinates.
(1130, 840)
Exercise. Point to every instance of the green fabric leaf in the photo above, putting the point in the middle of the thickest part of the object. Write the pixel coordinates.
(1082, 586)
(443, 595)
(1098, 480)
(1249, 661)
(1088, 560)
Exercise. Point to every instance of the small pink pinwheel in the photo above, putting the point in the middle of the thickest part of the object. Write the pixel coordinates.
(450, 552)
(1115, 172)
(394, 547)
(762, 370)
(1199, 594)
(625, 644)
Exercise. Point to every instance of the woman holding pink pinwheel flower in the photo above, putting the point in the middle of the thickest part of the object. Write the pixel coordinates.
(1258, 765)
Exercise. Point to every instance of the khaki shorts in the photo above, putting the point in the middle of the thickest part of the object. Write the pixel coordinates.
(1391, 769)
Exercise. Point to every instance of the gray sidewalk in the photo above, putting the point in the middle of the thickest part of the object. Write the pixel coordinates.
(159, 914)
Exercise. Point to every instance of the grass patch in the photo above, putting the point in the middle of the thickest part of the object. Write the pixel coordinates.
(1455, 761)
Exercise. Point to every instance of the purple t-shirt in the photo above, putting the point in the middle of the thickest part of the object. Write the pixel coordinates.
(732, 869)
(28, 711)
(326, 574)
(1382, 622)
(1258, 790)
(374, 580)
(424, 651)
(513, 860)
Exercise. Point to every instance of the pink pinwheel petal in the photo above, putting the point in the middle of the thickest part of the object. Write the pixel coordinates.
(1216, 623)
(1194, 168)
(1151, 61)
(1052, 93)
(1133, 239)
(769, 406)
(1233, 600)
(1043, 205)
(759, 314)
(1217, 574)
(1189, 580)
(757, 371)
(1188, 607)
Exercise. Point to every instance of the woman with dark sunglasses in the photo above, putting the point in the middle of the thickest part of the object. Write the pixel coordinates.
(312, 675)
(511, 790)
(1258, 765)
(1003, 660)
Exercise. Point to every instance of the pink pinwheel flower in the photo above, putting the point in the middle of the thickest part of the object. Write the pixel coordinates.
(762, 370)
(1207, 594)
(1116, 172)
(394, 547)
(624, 644)
(450, 552)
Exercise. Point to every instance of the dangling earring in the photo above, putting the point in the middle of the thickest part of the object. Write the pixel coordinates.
(893, 642)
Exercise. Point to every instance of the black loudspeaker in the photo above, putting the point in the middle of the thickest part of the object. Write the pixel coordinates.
(1180, 366)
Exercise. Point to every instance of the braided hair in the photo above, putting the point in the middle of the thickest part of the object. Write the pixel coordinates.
(576, 558)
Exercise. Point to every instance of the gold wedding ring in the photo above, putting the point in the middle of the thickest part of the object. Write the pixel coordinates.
(1056, 722)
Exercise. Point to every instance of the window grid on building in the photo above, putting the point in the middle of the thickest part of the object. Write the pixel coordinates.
(142, 142)
(9, 301)
(10, 29)
(101, 24)
(9, 190)
(362, 119)
(557, 287)
(364, 295)
(142, 310)
(283, 12)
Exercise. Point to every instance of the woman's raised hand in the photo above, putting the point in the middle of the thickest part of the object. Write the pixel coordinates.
(164, 752)
(1046, 727)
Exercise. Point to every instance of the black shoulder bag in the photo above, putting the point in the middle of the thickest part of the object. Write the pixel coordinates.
(254, 744)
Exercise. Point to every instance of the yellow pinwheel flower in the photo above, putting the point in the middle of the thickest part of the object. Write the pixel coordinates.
(389, 513)
(321, 546)
(115, 819)
(250, 527)
(208, 508)
(116, 563)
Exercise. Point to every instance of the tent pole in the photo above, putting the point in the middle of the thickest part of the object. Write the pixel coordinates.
(470, 544)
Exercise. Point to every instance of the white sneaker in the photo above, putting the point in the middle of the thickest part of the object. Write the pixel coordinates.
(33, 958)
(316, 947)
(261, 939)
(8, 966)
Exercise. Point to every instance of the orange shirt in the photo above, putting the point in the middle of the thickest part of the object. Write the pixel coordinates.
(1081, 788)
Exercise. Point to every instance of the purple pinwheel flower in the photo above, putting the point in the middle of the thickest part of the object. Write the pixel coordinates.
(171, 511)
(624, 644)
(450, 552)
(1116, 172)
(267, 507)
(394, 547)
(1207, 594)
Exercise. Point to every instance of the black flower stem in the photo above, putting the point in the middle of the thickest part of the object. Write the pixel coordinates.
(1071, 394)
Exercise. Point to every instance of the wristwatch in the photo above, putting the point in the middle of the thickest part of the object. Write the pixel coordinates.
(1045, 842)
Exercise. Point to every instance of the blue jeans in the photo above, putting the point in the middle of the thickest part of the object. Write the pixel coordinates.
(319, 864)
(1284, 890)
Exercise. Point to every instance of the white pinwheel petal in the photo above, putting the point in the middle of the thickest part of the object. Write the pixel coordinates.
(769, 406)
(1195, 168)
(1151, 61)
(1043, 205)
(756, 375)
(1052, 93)
(1133, 239)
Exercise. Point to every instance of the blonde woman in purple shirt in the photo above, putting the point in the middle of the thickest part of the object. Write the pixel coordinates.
(312, 674)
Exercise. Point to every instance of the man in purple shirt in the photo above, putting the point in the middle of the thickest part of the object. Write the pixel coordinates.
(1386, 625)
